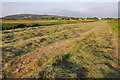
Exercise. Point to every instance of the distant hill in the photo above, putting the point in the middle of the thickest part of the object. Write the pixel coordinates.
(47, 17)
(29, 17)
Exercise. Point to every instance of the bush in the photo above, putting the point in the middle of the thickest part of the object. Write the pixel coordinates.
(20, 26)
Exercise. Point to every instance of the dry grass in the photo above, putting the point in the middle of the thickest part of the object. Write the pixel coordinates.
(67, 50)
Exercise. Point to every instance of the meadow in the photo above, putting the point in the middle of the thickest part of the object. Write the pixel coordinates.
(113, 25)
(59, 49)
(11, 24)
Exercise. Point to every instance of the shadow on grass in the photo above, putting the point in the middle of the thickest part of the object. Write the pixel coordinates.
(15, 51)
(112, 75)
(63, 68)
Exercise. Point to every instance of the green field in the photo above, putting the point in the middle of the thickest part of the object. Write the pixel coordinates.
(72, 49)
(13, 24)
(113, 25)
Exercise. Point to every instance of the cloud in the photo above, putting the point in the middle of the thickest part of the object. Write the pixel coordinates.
(97, 11)
(84, 11)
(97, 8)
(64, 12)
(69, 13)
(81, 10)
(63, 9)
(59, 0)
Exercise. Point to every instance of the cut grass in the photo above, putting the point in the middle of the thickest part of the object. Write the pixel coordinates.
(78, 63)
(88, 58)
(29, 41)
(81, 50)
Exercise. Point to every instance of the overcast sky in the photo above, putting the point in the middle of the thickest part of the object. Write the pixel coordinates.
(60, 0)
(74, 9)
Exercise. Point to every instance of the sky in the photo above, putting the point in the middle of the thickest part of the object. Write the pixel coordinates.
(60, 0)
(70, 9)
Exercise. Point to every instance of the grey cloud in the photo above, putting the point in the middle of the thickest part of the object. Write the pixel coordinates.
(88, 13)
(97, 11)
(97, 8)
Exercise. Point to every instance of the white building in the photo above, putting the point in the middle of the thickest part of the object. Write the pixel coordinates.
(99, 18)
